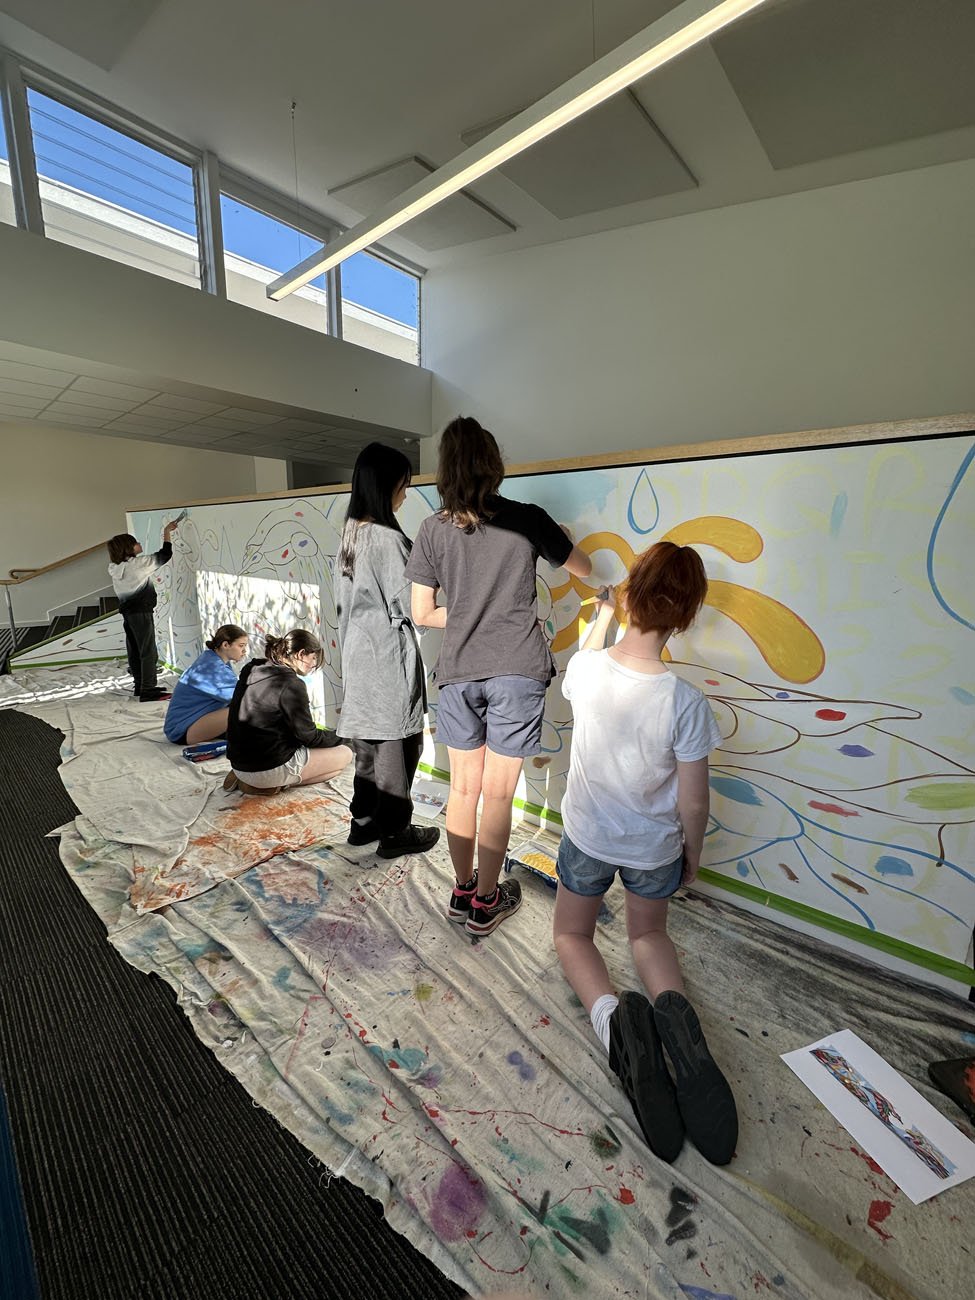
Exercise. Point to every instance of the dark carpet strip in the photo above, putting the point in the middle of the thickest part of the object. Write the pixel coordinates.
(17, 1277)
(146, 1169)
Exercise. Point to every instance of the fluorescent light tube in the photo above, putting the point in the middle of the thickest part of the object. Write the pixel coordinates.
(685, 26)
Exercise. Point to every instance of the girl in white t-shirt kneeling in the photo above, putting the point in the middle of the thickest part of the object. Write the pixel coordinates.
(636, 805)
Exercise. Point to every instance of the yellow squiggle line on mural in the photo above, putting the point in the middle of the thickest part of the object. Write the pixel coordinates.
(788, 645)
(736, 539)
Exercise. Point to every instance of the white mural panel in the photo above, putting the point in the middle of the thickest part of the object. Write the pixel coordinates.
(837, 648)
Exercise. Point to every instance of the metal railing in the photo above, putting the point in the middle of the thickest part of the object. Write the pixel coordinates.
(21, 575)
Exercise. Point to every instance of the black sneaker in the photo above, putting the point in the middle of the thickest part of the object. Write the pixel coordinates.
(362, 834)
(153, 696)
(485, 917)
(704, 1096)
(636, 1055)
(459, 907)
(415, 839)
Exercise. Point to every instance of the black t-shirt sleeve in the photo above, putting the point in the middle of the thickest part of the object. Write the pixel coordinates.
(546, 536)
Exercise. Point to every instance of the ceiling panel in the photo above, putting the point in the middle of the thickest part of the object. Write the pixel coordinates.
(821, 78)
(460, 219)
(612, 156)
(98, 30)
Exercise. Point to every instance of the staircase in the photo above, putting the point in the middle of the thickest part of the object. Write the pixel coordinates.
(38, 633)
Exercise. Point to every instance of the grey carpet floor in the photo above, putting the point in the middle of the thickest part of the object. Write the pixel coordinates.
(146, 1169)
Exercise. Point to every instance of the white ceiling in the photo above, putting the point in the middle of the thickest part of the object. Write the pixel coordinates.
(805, 93)
(70, 393)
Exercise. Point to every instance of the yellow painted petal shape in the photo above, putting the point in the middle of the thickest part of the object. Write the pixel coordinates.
(788, 645)
(738, 540)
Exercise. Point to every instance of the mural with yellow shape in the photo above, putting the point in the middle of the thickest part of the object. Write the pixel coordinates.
(850, 807)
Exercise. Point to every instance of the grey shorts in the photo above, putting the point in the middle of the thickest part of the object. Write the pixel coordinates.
(287, 774)
(591, 877)
(505, 713)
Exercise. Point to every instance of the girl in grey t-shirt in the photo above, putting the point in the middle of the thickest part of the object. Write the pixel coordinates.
(480, 551)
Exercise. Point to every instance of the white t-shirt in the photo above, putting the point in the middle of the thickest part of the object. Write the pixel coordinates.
(630, 730)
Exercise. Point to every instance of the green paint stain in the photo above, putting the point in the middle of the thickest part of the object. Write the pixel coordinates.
(604, 1142)
(944, 796)
(423, 992)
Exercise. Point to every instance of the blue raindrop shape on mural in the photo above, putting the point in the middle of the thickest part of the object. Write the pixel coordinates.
(643, 503)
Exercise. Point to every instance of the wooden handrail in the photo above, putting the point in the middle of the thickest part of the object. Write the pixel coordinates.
(27, 574)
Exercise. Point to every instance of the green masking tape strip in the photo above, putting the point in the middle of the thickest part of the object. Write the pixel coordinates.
(64, 663)
(955, 970)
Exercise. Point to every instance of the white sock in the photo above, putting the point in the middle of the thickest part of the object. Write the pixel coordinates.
(599, 1016)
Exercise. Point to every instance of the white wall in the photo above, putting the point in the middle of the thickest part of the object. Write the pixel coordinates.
(836, 306)
(62, 491)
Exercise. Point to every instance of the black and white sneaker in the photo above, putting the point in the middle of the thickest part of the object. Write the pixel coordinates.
(637, 1057)
(461, 897)
(488, 913)
(704, 1095)
(415, 839)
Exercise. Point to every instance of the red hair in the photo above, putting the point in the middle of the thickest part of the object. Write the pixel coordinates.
(665, 588)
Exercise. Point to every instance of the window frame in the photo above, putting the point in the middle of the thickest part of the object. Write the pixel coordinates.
(210, 180)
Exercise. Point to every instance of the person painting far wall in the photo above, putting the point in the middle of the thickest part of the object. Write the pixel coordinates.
(384, 699)
(131, 573)
(480, 551)
(200, 705)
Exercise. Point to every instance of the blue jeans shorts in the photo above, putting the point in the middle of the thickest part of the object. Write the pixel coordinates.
(591, 877)
(505, 713)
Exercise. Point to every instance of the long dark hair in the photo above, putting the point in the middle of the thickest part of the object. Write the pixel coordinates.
(277, 649)
(378, 472)
(470, 469)
(226, 634)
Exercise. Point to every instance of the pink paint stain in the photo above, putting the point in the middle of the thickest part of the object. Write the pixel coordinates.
(458, 1204)
(879, 1211)
(625, 1197)
(830, 715)
(711, 681)
(284, 554)
(833, 808)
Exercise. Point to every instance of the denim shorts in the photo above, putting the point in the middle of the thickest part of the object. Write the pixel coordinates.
(591, 877)
(505, 713)
(287, 774)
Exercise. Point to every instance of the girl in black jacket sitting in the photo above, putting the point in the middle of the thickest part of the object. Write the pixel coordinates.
(272, 739)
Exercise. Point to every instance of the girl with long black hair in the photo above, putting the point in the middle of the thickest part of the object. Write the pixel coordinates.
(382, 673)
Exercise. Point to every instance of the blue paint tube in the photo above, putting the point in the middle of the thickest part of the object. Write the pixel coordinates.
(201, 753)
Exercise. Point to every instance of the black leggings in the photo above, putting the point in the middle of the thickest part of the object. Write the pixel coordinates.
(384, 771)
(140, 647)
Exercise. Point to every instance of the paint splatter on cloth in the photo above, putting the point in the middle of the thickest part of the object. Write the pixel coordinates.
(460, 1084)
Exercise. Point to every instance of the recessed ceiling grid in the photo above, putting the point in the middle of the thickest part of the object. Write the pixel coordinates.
(92, 404)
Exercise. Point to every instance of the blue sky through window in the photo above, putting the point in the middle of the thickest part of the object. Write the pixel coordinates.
(98, 160)
(373, 283)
